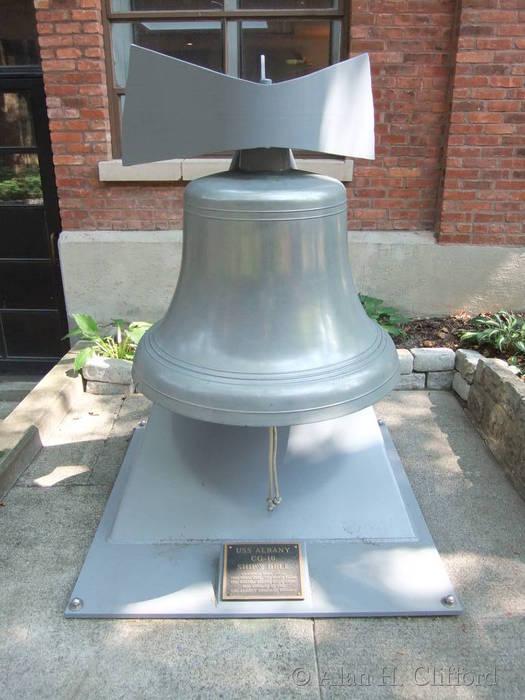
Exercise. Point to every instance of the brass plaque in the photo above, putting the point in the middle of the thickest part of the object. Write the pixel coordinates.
(262, 571)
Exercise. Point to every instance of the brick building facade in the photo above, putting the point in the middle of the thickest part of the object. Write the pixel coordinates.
(436, 223)
(448, 80)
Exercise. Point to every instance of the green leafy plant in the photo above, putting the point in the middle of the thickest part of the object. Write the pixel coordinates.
(387, 317)
(15, 187)
(119, 345)
(503, 331)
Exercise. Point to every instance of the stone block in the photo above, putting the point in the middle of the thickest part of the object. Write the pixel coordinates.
(494, 421)
(496, 403)
(406, 361)
(461, 386)
(498, 382)
(104, 369)
(440, 380)
(416, 380)
(433, 359)
(466, 363)
(475, 403)
(106, 388)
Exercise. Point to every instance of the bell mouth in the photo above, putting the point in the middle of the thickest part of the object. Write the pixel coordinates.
(266, 399)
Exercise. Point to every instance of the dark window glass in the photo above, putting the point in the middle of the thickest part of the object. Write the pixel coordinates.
(18, 38)
(292, 48)
(16, 122)
(195, 42)
(20, 178)
(165, 5)
(288, 4)
(23, 236)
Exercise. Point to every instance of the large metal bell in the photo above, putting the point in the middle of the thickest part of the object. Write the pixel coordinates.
(265, 326)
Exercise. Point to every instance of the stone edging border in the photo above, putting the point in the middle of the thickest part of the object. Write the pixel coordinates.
(496, 406)
(493, 396)
(441, 368)
(421, 368)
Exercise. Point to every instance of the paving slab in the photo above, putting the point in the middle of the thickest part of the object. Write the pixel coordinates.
(475, 515)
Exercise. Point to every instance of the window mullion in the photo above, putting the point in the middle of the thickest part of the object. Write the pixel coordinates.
(335, 41)
(222, 14)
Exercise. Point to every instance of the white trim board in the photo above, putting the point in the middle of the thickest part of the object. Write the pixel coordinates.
(186, 169)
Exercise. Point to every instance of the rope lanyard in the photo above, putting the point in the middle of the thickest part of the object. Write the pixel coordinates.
(274, 498)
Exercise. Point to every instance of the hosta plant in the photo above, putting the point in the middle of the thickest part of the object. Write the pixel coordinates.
(387, 317)
(120, 344)
(504, 331)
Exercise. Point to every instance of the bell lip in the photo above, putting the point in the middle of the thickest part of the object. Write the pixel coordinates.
(259, 419)
(191, 403)
(159, 356)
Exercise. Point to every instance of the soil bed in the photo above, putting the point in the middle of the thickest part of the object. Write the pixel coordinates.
(446, 332)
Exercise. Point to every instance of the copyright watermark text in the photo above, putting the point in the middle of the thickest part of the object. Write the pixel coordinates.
(431, 676)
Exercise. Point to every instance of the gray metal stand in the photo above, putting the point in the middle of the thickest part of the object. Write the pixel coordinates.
(186, 487)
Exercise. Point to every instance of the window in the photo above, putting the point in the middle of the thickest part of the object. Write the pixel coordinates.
(296, 36)
(18, 37)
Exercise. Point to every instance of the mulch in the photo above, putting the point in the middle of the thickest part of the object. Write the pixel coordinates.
(446, 333)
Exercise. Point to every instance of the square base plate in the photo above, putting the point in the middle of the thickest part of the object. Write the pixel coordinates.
(187, 487)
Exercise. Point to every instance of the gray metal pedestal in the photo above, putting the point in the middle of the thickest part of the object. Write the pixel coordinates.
(186, 487)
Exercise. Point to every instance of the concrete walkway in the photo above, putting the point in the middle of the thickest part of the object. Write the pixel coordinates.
(477, 519)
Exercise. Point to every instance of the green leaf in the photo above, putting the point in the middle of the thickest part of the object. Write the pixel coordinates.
(469, 335)
(393, 330)
(136, 331)
(72, 334)
(87, 325)
(82, 357)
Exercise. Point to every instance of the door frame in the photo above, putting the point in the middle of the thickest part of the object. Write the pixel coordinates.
(30, 79)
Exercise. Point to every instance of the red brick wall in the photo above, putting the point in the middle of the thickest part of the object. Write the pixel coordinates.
(484, 186)
(410, 45)
(412, 49)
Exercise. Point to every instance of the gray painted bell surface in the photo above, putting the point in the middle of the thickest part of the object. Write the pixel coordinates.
(265, 326)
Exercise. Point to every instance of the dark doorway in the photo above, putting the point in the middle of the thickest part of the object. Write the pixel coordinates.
(32, 313)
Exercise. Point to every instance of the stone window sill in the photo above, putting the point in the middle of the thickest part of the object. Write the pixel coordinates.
(191, 168)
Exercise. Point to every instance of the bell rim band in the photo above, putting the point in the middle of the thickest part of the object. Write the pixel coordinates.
(335, 371)
(258, 418)
(333, 397)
